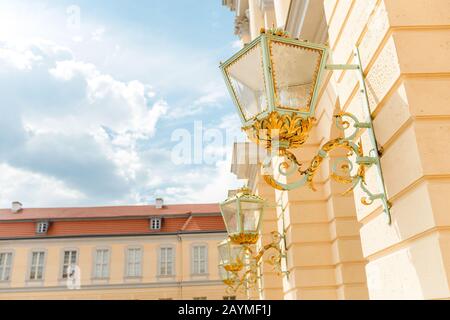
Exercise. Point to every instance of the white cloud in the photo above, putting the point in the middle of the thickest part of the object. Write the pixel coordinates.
(205, 183)
(100, 112)
(109, 96)
(39, 189)
(211, 98)
(66, 70)
(237, 45)
(86, 131)
(212, 185)
(98, 33)
(20, 58)
(77, 39)
(216, 189)
(23, 55)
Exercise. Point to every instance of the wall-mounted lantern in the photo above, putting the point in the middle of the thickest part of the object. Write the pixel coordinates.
(227, 277)
(274, 82)
(242, 214)
(239, 261)
(239, 264)
(231, 256)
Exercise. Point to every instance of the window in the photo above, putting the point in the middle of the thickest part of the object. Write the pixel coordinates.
(155, 223)
(199, 298)
(5, 266)
(42, 227)
(37, 265)
(166, 262)
(199, 259)
(101, 267)
(229, 298)
(70, 260)
(134, 256)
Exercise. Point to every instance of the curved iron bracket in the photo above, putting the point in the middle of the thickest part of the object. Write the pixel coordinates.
(342, 167)
(246, 279)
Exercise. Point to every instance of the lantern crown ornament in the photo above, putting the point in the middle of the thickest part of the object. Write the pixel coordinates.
(242, 214)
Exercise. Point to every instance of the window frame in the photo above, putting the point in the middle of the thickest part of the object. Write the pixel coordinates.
(62, 264)
(141, 263)
(30, 265)
(158, 221)
(160, 261)
(42, 222)
(10, 271)
(196, 271)
(95, 276)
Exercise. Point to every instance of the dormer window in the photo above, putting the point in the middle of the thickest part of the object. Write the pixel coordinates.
(155, 223)
(42, 227)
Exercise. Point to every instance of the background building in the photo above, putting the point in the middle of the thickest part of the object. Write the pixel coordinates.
(128, 252)
(337, 247)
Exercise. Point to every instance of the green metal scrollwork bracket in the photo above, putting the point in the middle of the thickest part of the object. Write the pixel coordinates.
(344, 121)
(375, 154)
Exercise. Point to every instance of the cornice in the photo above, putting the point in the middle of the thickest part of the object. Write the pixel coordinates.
(160, 284)
(110, 236)
(306, 20)
(265, 5)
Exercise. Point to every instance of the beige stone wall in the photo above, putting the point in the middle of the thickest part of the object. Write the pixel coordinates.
(405, 48)
(183, 285)
(212, 292)
(325, 259)
(271, 285)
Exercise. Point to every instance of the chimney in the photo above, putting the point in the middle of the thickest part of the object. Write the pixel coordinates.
(16, 207)
(159, 203)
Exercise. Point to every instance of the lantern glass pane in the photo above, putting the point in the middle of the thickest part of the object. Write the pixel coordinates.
(247, 79)
(229, 213)
(224, 252)
(295, 69)
(250, 215)
(224, 274)
(236, 251)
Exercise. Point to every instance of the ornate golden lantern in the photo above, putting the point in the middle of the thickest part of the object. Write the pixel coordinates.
(242, 214)
(228, 277)
(274, 82)
(231, 256)
(238, 267)
(239, 261)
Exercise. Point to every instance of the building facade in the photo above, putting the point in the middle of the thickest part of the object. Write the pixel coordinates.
(338, 248)
(128, 252)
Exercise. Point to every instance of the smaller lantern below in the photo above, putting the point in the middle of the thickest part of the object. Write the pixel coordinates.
(226, 276)
(231, 256)
(242, 214)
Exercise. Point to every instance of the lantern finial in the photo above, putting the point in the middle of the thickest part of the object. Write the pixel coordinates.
(280, 32)
(245, 190)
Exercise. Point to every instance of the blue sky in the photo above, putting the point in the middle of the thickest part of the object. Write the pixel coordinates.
(94, 95)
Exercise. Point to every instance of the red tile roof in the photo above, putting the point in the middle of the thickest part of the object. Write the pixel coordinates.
(104, 221)
(107, 212)
(204, 223)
